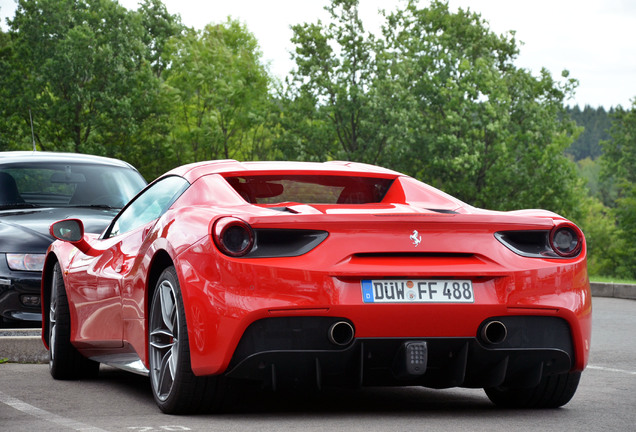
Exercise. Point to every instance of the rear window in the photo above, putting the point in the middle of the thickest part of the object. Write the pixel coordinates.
(310, 189)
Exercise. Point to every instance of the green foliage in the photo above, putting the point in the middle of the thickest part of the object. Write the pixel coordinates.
(610, 279)
(5, 54)
(335, 106)
(590, 170)
(81, 79)
(626, 220)
(599, 186)
(148, 146)
(619, 153)
(596, 123)
(159, 27)
(619, 167)
(84, 68)
(135, 85)
(436, 95)
(604, 242)
(218, 92)
(483, 130)
(11, 137)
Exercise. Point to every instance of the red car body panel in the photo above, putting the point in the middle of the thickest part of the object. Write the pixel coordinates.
(224, 295)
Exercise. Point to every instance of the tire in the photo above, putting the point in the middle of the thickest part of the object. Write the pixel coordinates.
(65, 362)
(174, 386)
(552, 392)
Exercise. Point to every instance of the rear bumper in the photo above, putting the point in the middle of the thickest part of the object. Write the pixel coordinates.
(297, 351)
(223, 301)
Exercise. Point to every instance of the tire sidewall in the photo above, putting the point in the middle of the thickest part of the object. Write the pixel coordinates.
(62, 325)
(65, 362)
(172, 401)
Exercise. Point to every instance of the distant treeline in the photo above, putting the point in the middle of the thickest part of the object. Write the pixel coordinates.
(596, 123)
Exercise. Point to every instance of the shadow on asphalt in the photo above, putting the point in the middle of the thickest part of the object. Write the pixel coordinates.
(250, 399)
(11, 324)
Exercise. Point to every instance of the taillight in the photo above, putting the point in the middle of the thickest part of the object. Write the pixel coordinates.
(233, 236)
(563, 241)
(566, 240)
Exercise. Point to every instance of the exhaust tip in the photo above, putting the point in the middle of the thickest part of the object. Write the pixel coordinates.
(340, 333)
(494, 332)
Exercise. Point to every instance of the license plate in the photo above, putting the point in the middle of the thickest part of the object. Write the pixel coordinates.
(417, 291)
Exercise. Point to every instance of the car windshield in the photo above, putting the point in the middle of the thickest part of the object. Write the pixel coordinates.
(310, 189)
(67, 185)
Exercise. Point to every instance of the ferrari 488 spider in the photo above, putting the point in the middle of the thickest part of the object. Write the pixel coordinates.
(319, 274)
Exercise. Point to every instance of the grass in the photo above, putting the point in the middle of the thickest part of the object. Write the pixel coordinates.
(611, 279)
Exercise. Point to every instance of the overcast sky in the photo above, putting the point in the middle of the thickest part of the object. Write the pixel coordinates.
(594, 39)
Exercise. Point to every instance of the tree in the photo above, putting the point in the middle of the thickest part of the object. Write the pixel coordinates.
(336, 108)
(149, 147)
(160, 26)
(596, 123)
(10, 138)
(619, 165)
(80, 67)
(218, 90)
(480, 128)
(436, 96)
(619, 152)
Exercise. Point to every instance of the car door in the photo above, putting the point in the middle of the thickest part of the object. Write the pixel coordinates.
(102, 282)
(121, 267)
(96, 305)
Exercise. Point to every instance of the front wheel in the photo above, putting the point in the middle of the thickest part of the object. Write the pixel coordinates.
(552, 392)
(65, 362)
(174, 386)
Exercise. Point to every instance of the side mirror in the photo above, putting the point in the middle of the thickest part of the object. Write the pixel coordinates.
(72, 231)
(69, 230)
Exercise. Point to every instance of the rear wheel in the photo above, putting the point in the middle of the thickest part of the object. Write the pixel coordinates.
(174, 386)
(65, 362)
(552, 392)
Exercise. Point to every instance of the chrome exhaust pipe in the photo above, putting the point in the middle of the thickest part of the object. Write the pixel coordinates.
(340, 333)
(494, 332)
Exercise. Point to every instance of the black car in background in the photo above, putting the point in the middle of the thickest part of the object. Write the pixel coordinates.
(37, 189)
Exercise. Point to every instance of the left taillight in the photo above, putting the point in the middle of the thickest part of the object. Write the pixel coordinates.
(566, 240)
(233, 236)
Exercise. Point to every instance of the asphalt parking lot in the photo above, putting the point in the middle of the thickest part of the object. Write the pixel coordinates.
(118, 401)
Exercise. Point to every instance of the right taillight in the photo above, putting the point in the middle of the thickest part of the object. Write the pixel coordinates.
(563, 241)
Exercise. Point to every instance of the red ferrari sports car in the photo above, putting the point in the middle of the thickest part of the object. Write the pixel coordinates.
(319, 274)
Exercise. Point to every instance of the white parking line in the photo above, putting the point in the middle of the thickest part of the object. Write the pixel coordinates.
(45, 415)
(606, 369)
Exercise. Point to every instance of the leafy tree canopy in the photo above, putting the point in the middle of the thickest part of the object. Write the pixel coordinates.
(438, 97)
(218, 90)
(84, 78)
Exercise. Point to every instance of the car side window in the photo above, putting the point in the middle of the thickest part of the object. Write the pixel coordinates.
(149, 205)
